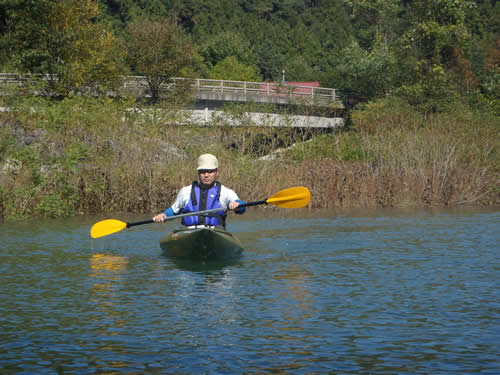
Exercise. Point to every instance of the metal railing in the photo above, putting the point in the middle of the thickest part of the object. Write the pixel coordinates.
(247, 88)
(282, 89)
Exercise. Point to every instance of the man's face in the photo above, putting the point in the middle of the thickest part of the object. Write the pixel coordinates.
(208, 176)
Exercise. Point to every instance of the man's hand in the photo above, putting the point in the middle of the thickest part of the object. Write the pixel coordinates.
(160, 218)
(233, 205)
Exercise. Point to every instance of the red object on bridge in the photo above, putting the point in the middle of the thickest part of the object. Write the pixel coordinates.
(300, 88)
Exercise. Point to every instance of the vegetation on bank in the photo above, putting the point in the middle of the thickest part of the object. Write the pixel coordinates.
(90, 155)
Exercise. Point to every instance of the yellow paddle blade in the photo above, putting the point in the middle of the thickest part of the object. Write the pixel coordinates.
(105, 227)
(294, 197)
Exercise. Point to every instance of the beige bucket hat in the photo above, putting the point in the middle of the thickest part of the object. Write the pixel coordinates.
(207, 161)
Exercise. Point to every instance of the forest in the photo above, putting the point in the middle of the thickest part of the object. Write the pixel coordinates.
(429, 52)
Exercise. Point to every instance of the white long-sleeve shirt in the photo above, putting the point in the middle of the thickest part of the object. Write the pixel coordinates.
(226, 196)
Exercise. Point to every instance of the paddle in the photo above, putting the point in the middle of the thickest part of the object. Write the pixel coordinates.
(294, 197)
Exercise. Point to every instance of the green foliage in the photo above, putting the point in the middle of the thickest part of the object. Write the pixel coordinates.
(75, 156)
(62, 41)
(351, 148)
(231, 69)
(46, 177)
(299, 69)
(343, 147)
(365, 74)
(432, 93)
(485, 102)
(6, 141)
(30, 160)
(226, 44)
(374, 20)
(436, 34)
(58, 116)
(18, 202)
(54, 205)
(363, 48)
(158, 51)
(270, 61)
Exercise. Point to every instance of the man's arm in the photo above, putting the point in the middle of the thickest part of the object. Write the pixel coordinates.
(230, 200)
(180, 202)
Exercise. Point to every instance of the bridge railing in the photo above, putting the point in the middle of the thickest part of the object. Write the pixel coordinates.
(263, 88)
(243, 87)
(214, 85)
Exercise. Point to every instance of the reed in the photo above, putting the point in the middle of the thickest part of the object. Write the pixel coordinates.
(444, 159)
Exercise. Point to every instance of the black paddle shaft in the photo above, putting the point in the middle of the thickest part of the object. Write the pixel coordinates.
(252, 203)
(194, 213)
(139, 223)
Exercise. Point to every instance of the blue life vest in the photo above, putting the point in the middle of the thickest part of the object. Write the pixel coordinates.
(203, 199)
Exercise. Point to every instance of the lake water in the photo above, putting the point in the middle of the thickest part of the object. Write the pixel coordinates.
(316, 292)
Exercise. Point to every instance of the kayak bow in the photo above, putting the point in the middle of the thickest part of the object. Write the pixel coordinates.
(201, 244)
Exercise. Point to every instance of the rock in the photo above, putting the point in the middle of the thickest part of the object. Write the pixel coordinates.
(12, 166)
(35, 136)
(168, 151)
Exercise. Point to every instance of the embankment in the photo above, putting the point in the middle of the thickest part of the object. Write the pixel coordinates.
(84, 155)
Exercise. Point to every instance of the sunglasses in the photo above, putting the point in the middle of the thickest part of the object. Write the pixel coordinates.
(203, 171)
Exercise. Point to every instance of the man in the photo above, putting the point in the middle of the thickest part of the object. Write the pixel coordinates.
(205, 194)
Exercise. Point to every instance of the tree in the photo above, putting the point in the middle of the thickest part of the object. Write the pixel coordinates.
(227, 44)
(4, 57)
(63, 41)
(270, 62)
(374, 20)
(363, 74)
(158, 51)
(432, 52)
(435, 31)
(231, 69)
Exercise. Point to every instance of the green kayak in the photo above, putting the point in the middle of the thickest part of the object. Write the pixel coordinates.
(201, 244)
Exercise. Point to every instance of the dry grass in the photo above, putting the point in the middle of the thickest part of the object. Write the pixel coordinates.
(93, 158)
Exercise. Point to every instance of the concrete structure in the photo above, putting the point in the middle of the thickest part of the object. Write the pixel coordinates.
(209, 117)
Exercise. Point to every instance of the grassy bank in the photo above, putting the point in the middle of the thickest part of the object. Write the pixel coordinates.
(86, 155)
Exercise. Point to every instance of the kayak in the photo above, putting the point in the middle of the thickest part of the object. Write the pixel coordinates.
(201, 244)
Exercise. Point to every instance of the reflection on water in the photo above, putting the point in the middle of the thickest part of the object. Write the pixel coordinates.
(295, 289)
(106, 272)
(296, 302)
(106, 275)
(106, 278)
(314, 292)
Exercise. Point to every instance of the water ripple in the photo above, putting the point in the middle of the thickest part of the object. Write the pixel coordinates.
(387, 292)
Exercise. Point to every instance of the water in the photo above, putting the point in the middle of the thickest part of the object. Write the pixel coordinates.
(382, 292)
